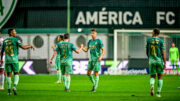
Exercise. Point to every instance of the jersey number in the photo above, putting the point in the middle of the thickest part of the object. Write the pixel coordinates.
(9, 50)
(64, 53)
(154, 49)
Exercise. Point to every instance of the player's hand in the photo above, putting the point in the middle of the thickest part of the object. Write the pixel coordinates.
(81, 46)
(32, 47)
(100, 58)
(53, 46)
(50, 62)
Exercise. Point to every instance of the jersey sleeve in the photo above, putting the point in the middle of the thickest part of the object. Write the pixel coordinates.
(19, 42)
(73, 47)
(101, 45)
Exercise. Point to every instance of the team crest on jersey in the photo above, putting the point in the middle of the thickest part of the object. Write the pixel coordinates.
(6, 9)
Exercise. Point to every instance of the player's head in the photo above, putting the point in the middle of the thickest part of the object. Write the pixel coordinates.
(156, 32)
(66, 36)
(12, 32)
(60, 38)
(93, 33)
(173, 44)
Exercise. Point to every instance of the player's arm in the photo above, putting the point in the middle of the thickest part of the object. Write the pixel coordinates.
(2, 52)
(102, 54)
(101, 45)
(53, 47)
(163, 54)
(85, 49)
(27, 47)
(177, 53)
(79, 50)
(52, 57)
(147, 52)
(164, 57)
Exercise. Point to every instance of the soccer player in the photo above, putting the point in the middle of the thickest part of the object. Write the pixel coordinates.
(97, 51)
(10, 46)
(66, 55)
(1, 66)
(155, 51)
(174, 56)
(57, 61)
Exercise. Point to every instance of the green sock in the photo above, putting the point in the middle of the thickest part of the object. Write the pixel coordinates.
(64, 80)
(68, 81)
(160, 84)
(92, 79)
(152, 81)
(16, 80)
(9, 82)
(59, 75)
(177, 67)
(173, 69)
(96, 82)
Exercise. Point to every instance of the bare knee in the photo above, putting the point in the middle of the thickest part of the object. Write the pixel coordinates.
(89, 73)
(96, 73)
(160, 76)
(16, 73)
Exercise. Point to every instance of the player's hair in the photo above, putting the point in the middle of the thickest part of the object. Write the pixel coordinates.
(93, 29)
(9, 30)
(66, 36)
(62, 37)
(156, 31)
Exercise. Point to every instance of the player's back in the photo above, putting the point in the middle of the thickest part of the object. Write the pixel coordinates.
(155, 46)
(11, 49)
(66, 51)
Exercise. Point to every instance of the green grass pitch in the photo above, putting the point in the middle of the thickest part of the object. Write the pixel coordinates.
(111, 88)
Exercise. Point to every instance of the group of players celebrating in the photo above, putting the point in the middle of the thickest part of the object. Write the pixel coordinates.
(63, 51)
(63, 63)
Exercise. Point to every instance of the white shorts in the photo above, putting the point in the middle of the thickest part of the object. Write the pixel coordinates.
(2, 66)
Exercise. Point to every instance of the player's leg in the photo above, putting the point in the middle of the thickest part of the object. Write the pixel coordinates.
(8, 68)
(68, 72)
(152, 71)
(177, 66)
(160, 84)
(63, 75)
(152, 81)
(16, 76)
(89, 71)
(57, 67)
(97, 68)
(172, 63)
(1, 78)
(59, 76)
(160, 72)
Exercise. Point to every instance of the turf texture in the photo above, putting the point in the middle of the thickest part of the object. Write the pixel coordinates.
(111, 88)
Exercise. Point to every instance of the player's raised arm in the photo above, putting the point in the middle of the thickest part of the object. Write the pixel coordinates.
(79, 50)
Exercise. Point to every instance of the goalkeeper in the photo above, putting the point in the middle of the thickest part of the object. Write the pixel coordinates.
(174, 57)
